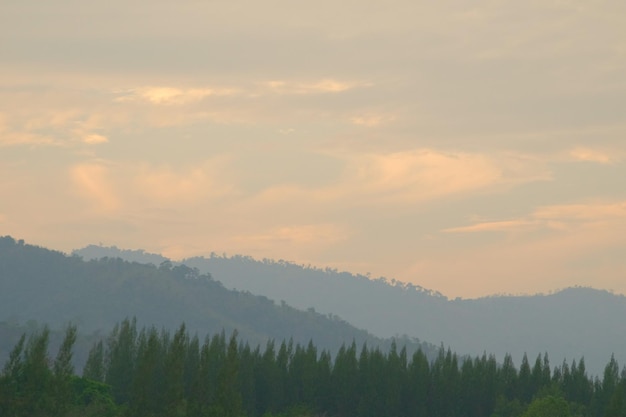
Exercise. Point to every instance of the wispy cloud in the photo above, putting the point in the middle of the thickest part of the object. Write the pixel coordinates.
(582, 212)
(92, 182)
(595, 155)
(169, 95)
(297, 234)
(496, 226)
(27, 138)
(172, 95)
(555, 217)
(328, 85)
(372, 120)
(415, 176)
(165, 184)
(94, 139)
(426, 174)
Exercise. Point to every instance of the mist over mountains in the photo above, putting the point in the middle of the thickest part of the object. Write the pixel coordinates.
(567, 324)
(52, 288)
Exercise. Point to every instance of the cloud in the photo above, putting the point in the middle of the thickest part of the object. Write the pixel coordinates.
(94, 139)
(552, 247)
(582, 212)
(169, 95)
(411, 177)
(498, 226)
(192, 184)
(328, 85)
(92, 183)
(426, 174)
(372, 120)
(595, 155)
(307, 234)
(172, 95)
(55, 118)
(27, 138)
(556, 217)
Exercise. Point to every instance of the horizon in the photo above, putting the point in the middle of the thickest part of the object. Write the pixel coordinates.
(389, 280)
(469, 149)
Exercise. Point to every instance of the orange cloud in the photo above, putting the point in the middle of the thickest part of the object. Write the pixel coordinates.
(499, 226)
(172, 95)
(166, 185)
(415, 176)
(594, 211)
(94, 139)
(594, 155)
(26, 138)
(426, 174)
(372, 120)
(92, 182)
(328, 85)
(556, 217)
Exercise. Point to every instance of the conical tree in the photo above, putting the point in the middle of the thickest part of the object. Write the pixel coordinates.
(63, 371)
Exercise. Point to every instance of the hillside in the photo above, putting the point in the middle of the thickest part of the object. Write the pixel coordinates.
(568, 324)
(53, 288)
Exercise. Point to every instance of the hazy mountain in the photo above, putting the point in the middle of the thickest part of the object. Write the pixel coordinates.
(53, 288)
(568, 324)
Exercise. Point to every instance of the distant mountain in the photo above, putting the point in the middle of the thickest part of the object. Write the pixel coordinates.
(568, 324)
(53, 288)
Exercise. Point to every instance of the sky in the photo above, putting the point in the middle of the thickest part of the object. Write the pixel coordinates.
(472, 148)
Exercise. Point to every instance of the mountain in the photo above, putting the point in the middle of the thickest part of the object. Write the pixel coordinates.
(568, 324)
(53, 288)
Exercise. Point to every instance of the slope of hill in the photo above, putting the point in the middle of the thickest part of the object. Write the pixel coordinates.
(568, 324)
(52, 288)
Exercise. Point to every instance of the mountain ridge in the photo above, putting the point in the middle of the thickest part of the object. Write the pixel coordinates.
(56, 289)
(570, 323)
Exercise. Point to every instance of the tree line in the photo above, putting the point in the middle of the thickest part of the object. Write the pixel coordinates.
(153, 373)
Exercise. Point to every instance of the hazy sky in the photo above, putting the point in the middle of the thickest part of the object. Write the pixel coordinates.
(469, 147)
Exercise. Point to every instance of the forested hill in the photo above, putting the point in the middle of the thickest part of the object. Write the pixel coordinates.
(569, 324)
(53, 288)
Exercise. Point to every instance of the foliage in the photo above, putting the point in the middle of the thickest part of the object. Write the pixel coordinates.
(152, 373)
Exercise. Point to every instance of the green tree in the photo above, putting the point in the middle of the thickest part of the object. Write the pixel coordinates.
(63, 372)
(146, 395)
(549, 406)
(419, 384)
(228, 399)
(37, 376)
(94, 367)
(173, 389)
(525, 387)
(345, 381)
(120, 359)
(12, 398)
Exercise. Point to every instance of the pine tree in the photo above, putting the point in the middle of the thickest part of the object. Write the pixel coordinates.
(146, 395)
(12, 399)
(94, 367)
(228, 399)
(63, 371)
(120, 360)
(38, 399)
(419, 383)
(525, 383)
(173, 389)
